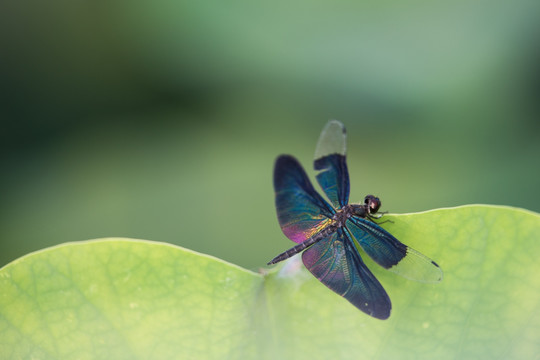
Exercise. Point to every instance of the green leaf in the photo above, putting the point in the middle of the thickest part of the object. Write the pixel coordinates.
(131, 299)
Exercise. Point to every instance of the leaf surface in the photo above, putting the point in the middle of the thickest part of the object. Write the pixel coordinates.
(132, 299)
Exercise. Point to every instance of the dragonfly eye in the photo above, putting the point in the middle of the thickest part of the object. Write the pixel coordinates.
(373, 203)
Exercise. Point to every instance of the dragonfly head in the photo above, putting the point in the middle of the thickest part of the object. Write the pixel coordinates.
(372, 204)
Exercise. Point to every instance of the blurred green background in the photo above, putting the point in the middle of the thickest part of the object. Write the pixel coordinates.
(161, 119)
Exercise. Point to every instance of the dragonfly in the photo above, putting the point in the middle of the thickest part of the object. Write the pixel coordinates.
(331, 234)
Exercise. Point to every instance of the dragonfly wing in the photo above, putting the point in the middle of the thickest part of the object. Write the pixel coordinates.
(300, 209)
(330, 161)
(337, 264)
(391, 254)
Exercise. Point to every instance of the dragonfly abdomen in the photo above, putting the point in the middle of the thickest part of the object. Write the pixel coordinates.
(303, 245)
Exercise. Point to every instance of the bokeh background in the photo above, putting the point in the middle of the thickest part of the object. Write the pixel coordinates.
(161, 119)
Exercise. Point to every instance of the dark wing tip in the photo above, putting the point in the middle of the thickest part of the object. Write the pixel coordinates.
(382, 315)
(380, 310)
(284, 158)
(285, 164)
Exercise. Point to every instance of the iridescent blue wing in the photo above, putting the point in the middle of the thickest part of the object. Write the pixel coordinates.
(337, 264)
(300, 209)
(330, 161)
(391, 254)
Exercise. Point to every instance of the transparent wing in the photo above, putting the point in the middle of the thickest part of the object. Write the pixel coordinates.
(300, 209)
(391, 254)
(330, 161)
(337, 264)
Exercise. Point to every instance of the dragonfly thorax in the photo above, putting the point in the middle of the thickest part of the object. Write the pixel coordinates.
(341, 215)
(370, 206)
